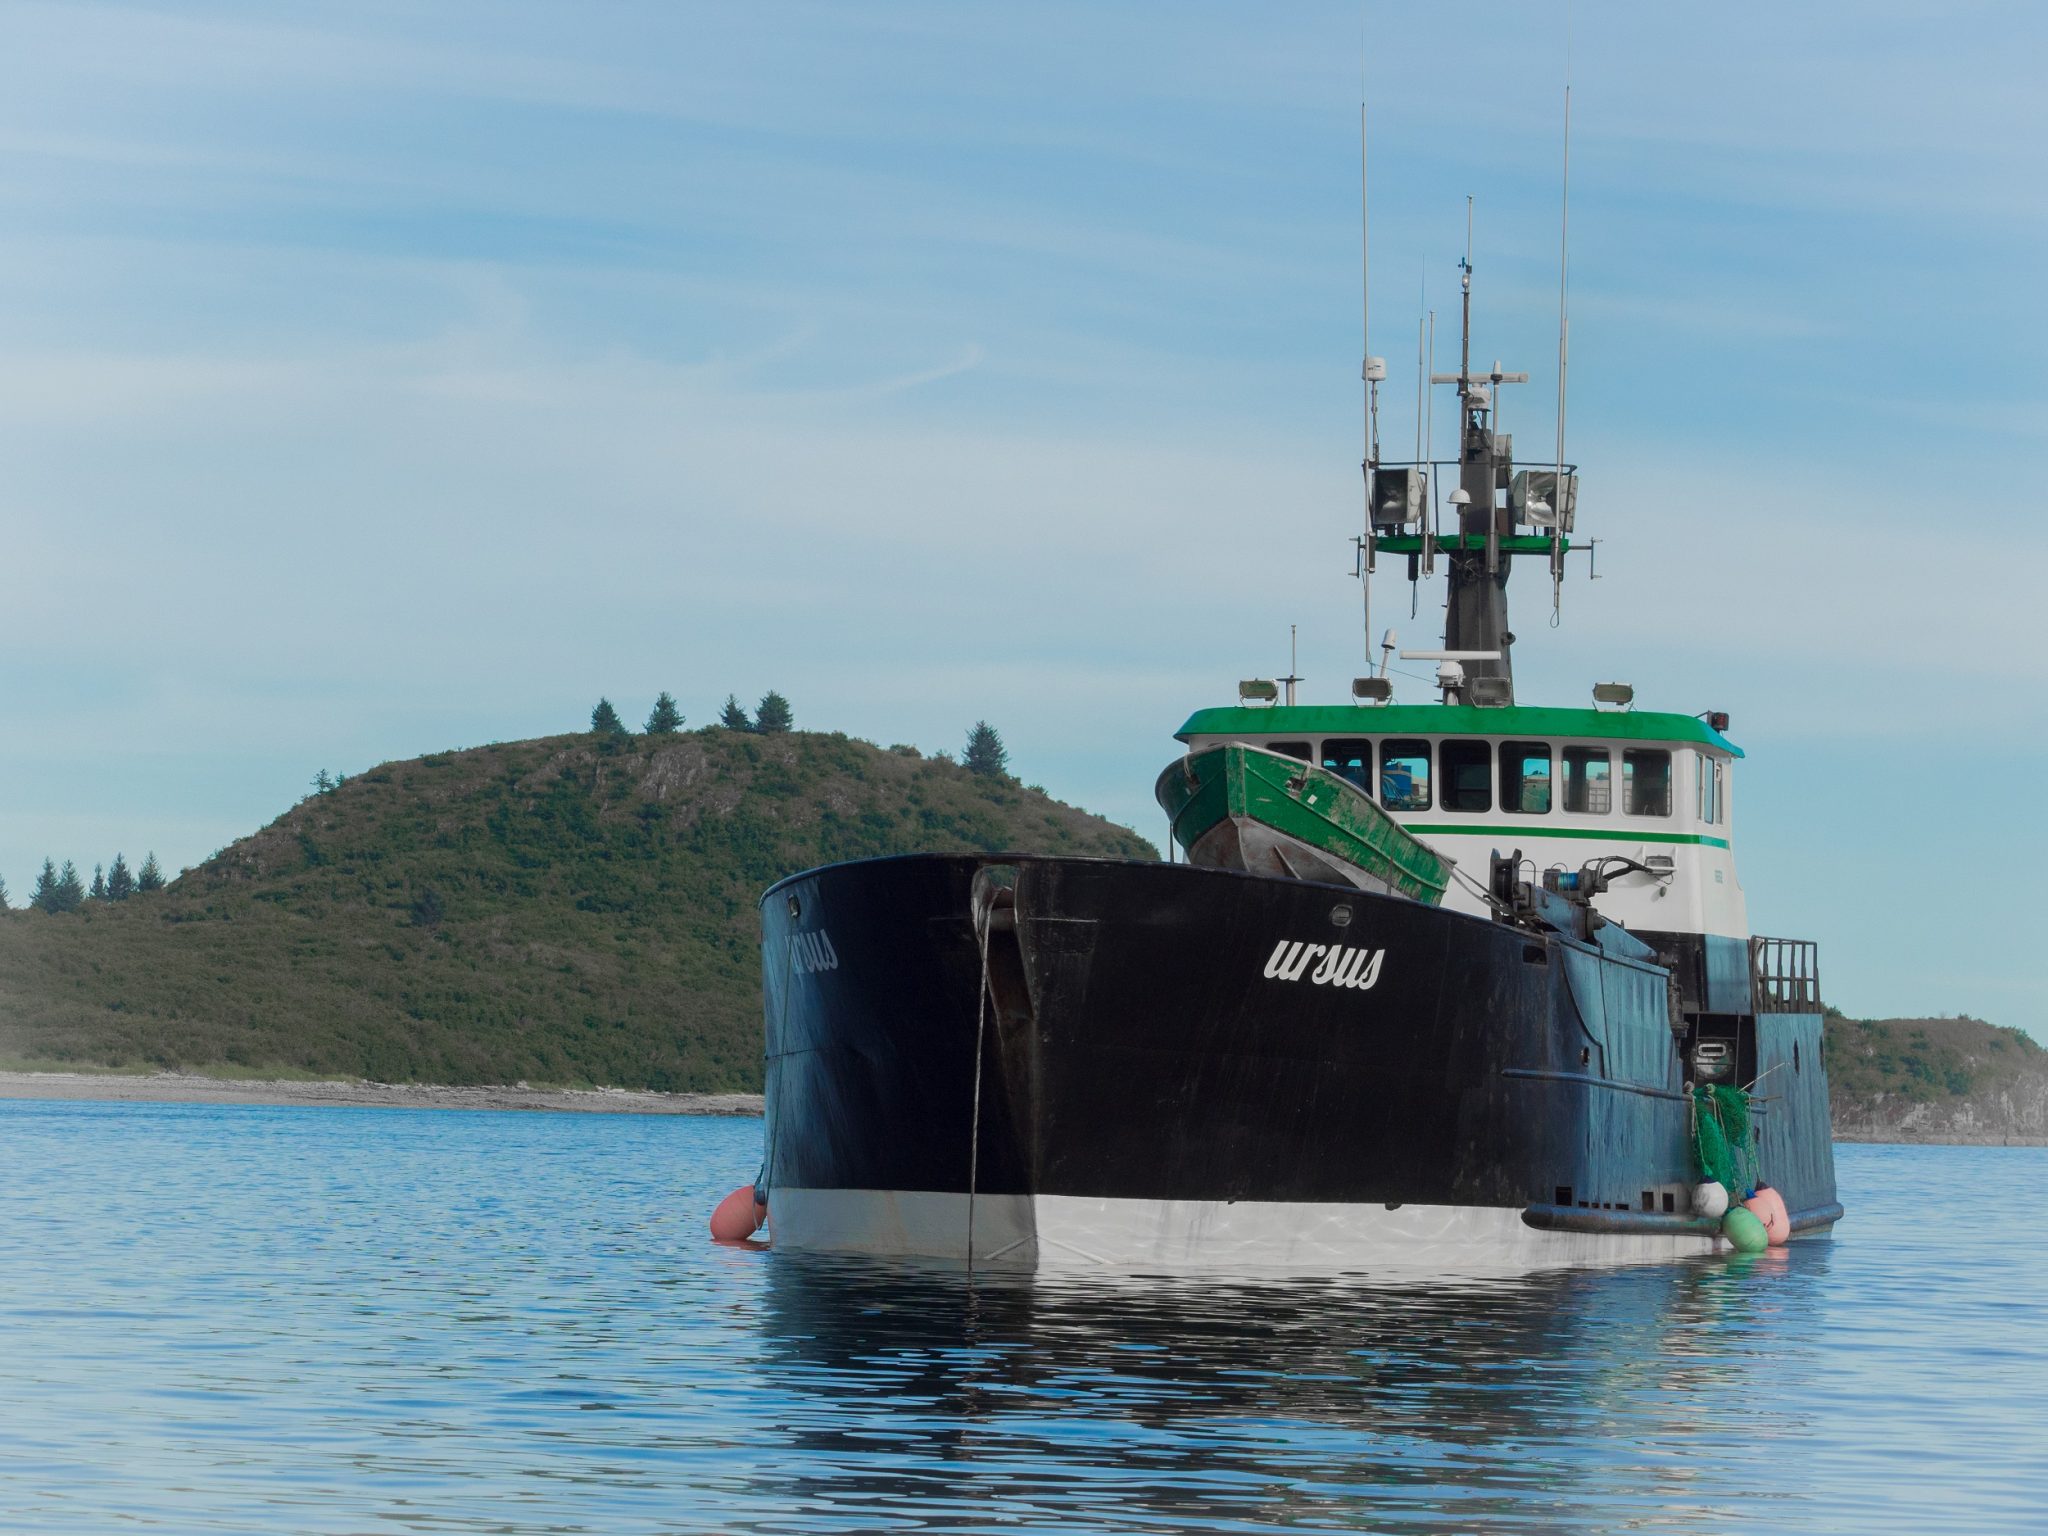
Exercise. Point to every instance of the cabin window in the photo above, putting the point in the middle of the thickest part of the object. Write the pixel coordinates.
(1646, 782)
(1588, 781)
(1525, 777)
(1710, 788)
(1466, 768)
(1351, 760)
(1404, 775)
(1298, 749)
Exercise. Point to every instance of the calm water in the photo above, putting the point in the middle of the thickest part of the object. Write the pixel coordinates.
(370, 1320)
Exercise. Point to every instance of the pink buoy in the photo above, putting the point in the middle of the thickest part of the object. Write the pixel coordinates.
(738, 1217)
(1768, 1206)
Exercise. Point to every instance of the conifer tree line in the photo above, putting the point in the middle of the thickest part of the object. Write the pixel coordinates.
(984, 753)
(64, 890)
(771, 715)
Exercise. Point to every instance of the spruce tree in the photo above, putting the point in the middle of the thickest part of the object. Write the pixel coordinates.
(151, 876)
(3, 895)
(985, 754)
(70, 889)
(734, 716)
(99, 883)
(46, 897)
(120, 883)
(772, 713)
(666, 717)
(605, 721)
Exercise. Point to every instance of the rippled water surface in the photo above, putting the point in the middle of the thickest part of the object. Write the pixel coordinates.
(355, 1320)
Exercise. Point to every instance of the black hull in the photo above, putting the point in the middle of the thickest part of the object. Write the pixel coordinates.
(1134, 1047)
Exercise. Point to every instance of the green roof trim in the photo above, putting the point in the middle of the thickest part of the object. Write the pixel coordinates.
(1451, 720)
(1510, 544)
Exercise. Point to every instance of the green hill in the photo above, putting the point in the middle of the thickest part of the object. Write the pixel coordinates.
(1954, 1079)
(574, 910)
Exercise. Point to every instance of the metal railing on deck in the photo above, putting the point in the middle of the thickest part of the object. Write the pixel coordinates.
(1785, 975)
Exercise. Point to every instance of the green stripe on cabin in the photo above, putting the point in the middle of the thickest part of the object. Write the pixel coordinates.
(1519, 722)
(1507, 830)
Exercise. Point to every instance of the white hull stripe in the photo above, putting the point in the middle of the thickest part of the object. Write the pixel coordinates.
(1067, 1231)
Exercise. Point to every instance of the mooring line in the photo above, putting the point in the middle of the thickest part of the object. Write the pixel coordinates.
(974, 1130)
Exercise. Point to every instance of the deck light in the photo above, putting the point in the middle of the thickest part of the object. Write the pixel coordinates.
(1258, 690)
(1533, 497)
(1614, 695)
(1372, 690)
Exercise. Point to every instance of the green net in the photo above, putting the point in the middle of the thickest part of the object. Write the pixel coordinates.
(1721, 1140)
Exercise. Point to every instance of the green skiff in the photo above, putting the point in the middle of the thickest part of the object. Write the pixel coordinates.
(1242, 807)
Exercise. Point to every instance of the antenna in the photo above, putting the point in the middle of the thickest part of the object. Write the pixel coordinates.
(1421, 387)
(1365, 290)
(1564, 230)
(1429, 432)
(1421, 568)
(1293, 665)
(1373, 370)
(1465, 284)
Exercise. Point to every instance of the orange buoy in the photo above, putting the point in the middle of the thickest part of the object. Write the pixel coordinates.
(1768, 1206)
(738, 1217)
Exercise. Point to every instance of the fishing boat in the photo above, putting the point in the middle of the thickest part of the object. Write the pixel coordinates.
(1456, 983)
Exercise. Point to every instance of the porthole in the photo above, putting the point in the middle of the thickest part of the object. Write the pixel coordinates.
(1340, 917)
(796, 909)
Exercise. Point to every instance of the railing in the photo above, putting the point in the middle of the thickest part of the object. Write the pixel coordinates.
(1570, 468)
(1784, 975)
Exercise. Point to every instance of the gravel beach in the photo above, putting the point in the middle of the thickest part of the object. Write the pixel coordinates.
(186, 1088)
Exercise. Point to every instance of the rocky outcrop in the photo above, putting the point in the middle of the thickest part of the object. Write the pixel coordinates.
(1937, 1080)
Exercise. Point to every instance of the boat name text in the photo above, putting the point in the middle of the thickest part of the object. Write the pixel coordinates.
(1335, 965)
(812, 952)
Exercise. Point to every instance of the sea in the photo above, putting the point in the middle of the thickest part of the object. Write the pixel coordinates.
(366, 1320)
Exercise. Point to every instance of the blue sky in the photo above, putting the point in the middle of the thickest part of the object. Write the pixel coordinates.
(382, 378)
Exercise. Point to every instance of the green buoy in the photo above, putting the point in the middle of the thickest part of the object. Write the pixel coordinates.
(1744, 1231)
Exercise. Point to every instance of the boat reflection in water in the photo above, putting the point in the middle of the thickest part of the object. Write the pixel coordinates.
(1566, 1400)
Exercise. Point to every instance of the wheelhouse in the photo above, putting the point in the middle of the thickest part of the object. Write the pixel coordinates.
(1563, 786)
(1627, 774)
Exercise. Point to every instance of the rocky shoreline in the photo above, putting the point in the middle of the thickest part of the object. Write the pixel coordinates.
(1966, 1123)
(188, 1088)
(1899, 1137)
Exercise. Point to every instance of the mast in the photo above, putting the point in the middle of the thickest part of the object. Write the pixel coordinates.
(1476, 606)
(1497, 513)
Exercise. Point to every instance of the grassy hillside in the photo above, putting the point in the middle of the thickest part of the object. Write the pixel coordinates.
(573, 910)
(1923, 1060)
(1935, 1079)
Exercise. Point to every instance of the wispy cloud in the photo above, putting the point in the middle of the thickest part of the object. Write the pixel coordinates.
(375, 380)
